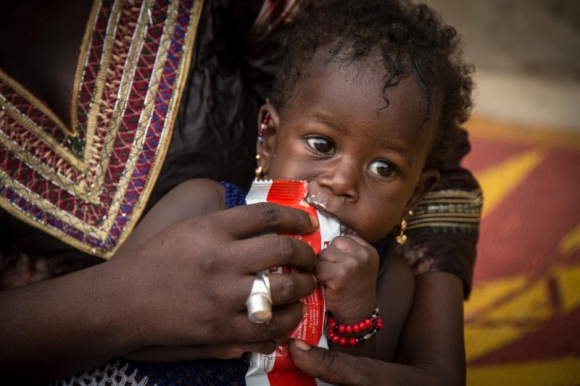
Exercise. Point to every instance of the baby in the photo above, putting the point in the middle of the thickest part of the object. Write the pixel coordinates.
(369, 97)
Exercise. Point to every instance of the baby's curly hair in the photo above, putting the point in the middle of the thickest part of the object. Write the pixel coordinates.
(412, 41)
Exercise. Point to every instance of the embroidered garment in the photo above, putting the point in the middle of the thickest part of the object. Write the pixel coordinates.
(87, 184)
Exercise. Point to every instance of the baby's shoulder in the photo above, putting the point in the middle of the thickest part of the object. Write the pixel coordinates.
(208, 193)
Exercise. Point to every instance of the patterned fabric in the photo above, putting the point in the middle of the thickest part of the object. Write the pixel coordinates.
(87, 184)
(199, 373)
(115, 373)
(454, 210)
(443, 234)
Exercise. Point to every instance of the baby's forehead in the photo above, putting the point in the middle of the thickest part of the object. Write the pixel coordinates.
(369, 79)
(352, 97)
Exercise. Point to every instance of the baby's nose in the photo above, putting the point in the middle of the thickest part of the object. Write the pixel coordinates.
(341, 179)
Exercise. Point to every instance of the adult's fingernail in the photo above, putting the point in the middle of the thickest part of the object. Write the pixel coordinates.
(313, 221)
(302, 345)
(304, 309)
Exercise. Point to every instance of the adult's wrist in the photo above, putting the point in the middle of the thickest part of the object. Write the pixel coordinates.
(122, 310)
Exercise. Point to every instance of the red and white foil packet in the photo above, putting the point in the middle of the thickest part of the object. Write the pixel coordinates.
(277, 369)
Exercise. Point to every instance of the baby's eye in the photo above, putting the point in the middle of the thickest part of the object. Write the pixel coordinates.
(321, 145)
(382, 169)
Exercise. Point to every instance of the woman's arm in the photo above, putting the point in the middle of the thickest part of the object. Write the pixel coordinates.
(62, 325)
(431, 348)
(205, 266)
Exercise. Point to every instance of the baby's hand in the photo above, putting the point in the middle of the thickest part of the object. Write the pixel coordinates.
(348, 268)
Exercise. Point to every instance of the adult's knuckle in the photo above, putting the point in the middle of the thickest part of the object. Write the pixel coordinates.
(343, 371)
(212, 291)
(288, 288)
(269, 330)
(329, 358)
(199, 224)
(270, 214)
(284, 248)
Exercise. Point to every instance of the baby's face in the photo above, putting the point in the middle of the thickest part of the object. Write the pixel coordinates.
(363, 160)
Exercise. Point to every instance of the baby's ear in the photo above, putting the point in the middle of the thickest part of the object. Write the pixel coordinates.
(268, 124)
(426, 182)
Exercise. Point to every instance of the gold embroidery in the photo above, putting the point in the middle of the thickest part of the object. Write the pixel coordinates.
(449, 209)
(87, 187)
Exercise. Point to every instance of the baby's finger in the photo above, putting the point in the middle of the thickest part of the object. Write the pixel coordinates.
(357, 239)
(336, 251)
(325, 272)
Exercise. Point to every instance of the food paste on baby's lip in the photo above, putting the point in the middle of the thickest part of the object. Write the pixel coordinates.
(316, 200)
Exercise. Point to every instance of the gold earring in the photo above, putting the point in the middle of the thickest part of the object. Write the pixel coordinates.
(402, 237)
(260, 173)
(259, 170)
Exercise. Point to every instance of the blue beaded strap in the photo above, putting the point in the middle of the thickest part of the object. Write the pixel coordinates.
(235, 196)
(204, 372)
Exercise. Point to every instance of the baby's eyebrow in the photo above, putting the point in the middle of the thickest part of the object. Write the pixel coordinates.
(394, 146)
(326, 120)
(404, 152)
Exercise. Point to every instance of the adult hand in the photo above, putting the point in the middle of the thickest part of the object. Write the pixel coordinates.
(189, 283)
(185, 286)
(162, 354)
(343, 369)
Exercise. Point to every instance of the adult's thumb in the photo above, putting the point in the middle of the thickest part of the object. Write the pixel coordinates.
(328, 365)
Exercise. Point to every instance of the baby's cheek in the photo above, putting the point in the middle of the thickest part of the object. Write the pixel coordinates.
(289, 168)
(376, 224)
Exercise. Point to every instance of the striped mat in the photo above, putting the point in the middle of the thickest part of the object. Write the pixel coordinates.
(522, 322)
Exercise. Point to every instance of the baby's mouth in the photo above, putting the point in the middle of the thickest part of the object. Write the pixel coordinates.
(344, 230)
(320, 203)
